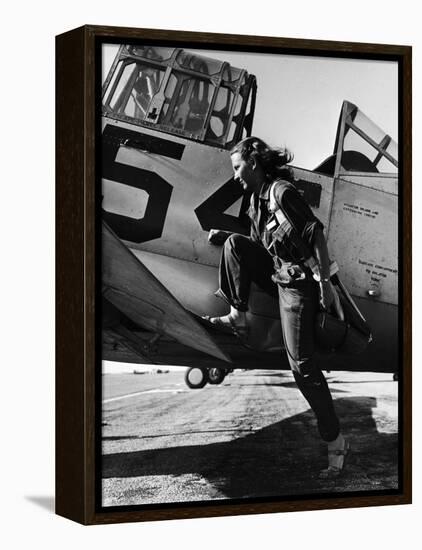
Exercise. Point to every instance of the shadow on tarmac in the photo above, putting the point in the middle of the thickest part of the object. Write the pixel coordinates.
(278, 460)
(287, 385)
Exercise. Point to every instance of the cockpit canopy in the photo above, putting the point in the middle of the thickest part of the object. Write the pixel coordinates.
(181, 93)
(360, 147)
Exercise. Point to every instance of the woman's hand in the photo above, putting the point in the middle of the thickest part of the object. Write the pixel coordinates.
(218, 237)
(326, 295)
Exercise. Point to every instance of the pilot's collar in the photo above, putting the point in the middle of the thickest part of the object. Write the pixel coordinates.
(264, 192)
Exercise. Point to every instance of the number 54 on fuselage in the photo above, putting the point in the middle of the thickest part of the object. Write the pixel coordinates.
(169, 120)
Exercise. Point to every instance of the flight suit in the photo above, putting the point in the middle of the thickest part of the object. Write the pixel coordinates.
(277, 267)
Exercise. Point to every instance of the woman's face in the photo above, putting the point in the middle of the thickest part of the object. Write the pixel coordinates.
(245, 172)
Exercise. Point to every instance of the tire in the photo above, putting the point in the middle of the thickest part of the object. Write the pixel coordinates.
(216, 375)
(196, 378)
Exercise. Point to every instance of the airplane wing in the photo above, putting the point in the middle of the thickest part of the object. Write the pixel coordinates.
(117, 347)
(131, 289)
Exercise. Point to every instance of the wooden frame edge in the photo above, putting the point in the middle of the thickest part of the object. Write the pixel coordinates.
(70, 234)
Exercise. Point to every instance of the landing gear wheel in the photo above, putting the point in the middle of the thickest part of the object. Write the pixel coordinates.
(216, 375)
(196, 378)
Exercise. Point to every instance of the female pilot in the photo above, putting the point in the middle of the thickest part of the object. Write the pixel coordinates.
(272, 257)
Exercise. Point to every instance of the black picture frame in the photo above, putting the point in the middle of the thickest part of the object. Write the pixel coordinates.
(78, 411)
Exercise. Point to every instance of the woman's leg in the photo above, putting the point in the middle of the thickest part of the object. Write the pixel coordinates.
(298, 307)
(243, 261)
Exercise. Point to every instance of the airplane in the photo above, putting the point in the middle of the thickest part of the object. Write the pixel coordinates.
(169, 120)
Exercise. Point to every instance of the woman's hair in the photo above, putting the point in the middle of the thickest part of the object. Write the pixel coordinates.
(273, 161)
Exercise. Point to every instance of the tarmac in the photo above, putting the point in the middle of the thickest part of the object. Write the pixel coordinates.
(251, 437)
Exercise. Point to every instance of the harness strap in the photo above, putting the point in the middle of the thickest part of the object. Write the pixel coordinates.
(282, 219)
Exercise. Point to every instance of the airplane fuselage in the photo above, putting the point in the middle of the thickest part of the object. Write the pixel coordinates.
(164, 189)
